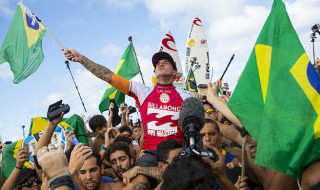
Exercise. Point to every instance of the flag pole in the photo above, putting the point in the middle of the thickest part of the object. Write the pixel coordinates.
(224, 72)
(66, 62)
(135, 55)
(74, 82)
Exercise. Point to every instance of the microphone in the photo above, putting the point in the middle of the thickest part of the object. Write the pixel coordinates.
(191, 112)
(315, 28)
(191, 121)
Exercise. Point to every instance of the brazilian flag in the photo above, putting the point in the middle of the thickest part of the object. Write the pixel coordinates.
(38, 124)
(277, 98)
(22, 47)
(127, 68)
(191, 82)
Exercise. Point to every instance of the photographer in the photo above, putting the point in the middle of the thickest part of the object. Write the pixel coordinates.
(192, 172)
(22, 178)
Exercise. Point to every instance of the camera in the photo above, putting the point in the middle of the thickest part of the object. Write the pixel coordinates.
(191, 120)
(225, 87)
(123, 106)
(116, 119)
(132, 109)
(192, 145)
(55, 110)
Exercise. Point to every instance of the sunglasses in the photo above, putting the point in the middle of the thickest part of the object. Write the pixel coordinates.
(210, 111)
(125, 135)
(29, 183)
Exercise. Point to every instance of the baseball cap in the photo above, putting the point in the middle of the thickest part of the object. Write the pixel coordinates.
(163, 55)
(24, 174)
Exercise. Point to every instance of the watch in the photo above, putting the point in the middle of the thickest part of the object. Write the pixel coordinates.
(103, 147)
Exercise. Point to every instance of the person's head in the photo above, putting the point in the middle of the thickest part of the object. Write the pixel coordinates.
(311, 176)
(125, 131)
(211, 134)
(90, 174)
(318, 70)
(119, 156)
(128, 140)
(188, 173)
(98, 124)
(166, 152)
(252, 146)
(28, 180)
(209, 111)
(164, 66)
(136, 132)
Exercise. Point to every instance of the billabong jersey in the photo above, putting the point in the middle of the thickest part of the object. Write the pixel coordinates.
(159, 107)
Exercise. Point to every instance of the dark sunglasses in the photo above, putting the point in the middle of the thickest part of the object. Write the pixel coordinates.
(29, 183)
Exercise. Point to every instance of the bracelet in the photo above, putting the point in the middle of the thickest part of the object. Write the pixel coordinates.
(103, 147)
(19, 168)
(64, 180)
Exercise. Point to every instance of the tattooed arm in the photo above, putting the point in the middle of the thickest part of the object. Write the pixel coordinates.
(152, 172)
(99, 71)
(140, 186)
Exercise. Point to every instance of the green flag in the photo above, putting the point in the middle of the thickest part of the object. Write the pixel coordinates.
(38, 125)
(191, 82)
(277, 98)
(22, 47)
(127, 68)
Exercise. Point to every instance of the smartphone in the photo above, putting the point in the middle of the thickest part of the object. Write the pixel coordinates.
(112, 133)
(26, 145)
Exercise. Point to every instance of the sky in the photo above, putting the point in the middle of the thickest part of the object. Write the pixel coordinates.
(99, 29)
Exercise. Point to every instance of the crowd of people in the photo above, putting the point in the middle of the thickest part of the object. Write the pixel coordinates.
(151, 153)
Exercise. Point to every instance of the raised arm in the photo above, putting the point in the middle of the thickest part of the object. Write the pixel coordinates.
(45, 138)
(21, 157)
(99, 71)
(220, 105)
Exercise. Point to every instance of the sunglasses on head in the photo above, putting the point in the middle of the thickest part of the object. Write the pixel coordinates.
(29, 183)
(210, 111)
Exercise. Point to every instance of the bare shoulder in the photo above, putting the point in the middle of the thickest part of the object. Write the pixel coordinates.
(97, 143)
(278, 181)
(117, 185)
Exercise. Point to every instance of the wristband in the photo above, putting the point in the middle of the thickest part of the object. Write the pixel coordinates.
(18, 168)
(103, 147)
(64, 180)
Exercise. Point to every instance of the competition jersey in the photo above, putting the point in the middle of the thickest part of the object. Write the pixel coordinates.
(159, 107)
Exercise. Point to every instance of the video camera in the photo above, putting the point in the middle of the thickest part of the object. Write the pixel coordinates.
(191, 120)
(55, 110)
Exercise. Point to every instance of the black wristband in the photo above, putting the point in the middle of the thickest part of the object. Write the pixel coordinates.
(19, 168)
(61, 181)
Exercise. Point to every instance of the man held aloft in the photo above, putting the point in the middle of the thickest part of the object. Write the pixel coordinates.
(159, 105)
